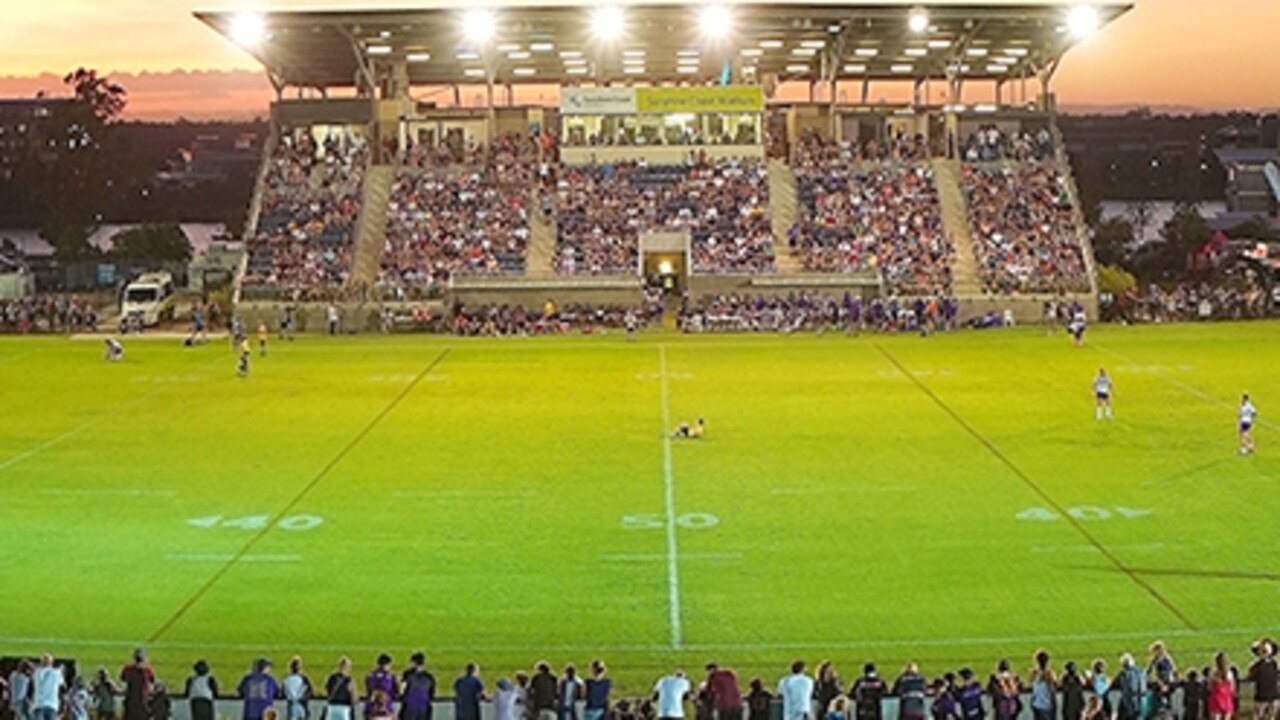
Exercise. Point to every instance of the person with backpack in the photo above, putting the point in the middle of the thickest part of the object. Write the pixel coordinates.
(1005, 689)
(201, 691)
(1131, 682)
(910, 687)
(297, 690)
(418, 689)
(1044, 689)
(868, 694)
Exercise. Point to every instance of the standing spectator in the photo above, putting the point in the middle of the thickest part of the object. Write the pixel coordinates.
(78, 700)
(759, 700)
(1194, 697)
(1265, 675)
(1072, 685)
(506, 701)
(418, 689)
(868, 694)
(827, 686)
(945, 706)
(137, 677)
(468, 691)
(969, 697)
(910, 688)
(1162, 676)
(522, 694)
(331, 317)
(297, 692)
(103, 692)
(259, 690)
(1004, 688)
(796, 690)
(569, 692)
(380, 679)
(201, 691)
(725, 695)
(542, 692)
(1132, 684)
(1101, 684)
(20, 691)
(161, 707)
(670, 692)
(1044, 689)
(46, 693)
(339, 693)
(598, 687)
(1222, 690)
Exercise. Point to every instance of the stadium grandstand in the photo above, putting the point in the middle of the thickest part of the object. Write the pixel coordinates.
(589, 153)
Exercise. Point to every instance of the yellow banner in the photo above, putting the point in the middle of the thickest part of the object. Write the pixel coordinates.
(727, 99)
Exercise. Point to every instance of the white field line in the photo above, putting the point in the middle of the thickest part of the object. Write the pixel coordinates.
(224, 557)
(55, 642)
(669, 495)
(123, 492)
(466, 494)
(1190, 389)
(644, 557)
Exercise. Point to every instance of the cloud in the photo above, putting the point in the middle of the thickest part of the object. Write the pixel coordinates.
(192, 94)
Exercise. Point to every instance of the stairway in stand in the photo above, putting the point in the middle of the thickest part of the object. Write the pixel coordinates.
(783, 205)
(539, 259)
(955, 222)
(371, 231)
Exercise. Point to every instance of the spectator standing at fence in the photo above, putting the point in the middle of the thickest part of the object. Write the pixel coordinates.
(1072, 686)
(568, 694)
(1265, 674)
(726, 697)
(826, 686)
(1162, 676)
(969, 697)
(506, 701)
(297, 691)
(417, 689)
(670, 693)
(103, 692)
(1194, 698)
(1131, 681)
(868, 694)
(201, 691)
(1004, 688)
(542, 692)
(381, 678)
(468, 692)
(138, 678)
(1222, 689)
(759, 700)
(161, 706)
(20, 691)
(910, 687)
(796, 690)
(339, 692)
(1044, 688)
(47, 685)
(598, 687)
(259, 690)
(78, 700)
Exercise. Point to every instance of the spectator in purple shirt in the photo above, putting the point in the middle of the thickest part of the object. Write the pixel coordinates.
(258, 690)
(380, 689)
(418, 690)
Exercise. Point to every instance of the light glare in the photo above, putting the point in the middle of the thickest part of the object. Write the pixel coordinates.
(477, 25)
(1083, 21)
(715, 21)
(607, 22)
(247, 29)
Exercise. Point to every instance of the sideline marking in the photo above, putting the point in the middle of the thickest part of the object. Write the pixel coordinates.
(284, 512)
(669, 494)
(1071, 520)
(131, 492)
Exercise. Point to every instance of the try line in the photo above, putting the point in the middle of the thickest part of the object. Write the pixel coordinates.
(669, 493)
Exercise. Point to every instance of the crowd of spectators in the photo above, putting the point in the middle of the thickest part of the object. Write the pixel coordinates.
(1024, 233)
(48, 313)
(460, 213)
(989, 144)
(517, 320)
(310, 206)
(43, 690)
(799, 312)
(814, 151)
(723, 204)
(854, 216)
(1187, 301)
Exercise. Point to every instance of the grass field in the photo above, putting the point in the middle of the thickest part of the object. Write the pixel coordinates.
(948, 499)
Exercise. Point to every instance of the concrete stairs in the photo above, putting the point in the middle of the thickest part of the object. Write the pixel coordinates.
(1063, 163)
(540, 255)
(783, 207)
(955, 222)
(371, 229)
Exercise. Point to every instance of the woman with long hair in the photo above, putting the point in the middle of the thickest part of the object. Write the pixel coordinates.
(1222, 689)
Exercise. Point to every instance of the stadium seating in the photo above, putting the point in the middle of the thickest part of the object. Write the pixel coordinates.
(310, 204)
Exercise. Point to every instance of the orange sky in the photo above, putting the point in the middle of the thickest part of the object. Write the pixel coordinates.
(1189, 53)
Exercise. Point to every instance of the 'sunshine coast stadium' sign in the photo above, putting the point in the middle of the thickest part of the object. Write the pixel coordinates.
(661, 100)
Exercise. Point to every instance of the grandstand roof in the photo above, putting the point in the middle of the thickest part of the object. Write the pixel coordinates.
(541, 43)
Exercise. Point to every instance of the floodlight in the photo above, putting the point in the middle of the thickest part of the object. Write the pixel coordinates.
(715, 21)
(477, 25)
(247, 29)
(607, 22)
(1083, 21)
(918, 20)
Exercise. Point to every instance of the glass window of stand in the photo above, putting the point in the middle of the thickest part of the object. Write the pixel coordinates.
(670, 129)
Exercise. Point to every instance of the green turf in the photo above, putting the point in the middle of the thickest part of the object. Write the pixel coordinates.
(505, 500)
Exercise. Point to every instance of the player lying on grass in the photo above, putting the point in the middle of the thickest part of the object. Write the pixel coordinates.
(690, 432)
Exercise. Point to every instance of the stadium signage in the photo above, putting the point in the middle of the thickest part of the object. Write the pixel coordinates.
(727, 99)
(598, 101)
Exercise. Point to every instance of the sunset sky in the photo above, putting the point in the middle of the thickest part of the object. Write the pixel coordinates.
(1209, 54)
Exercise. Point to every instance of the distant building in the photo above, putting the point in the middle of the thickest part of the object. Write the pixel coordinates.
(214, 157)
(26, 128)
(1253, 186)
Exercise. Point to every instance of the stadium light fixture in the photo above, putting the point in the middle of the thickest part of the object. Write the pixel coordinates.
(715, 21)
(478, 25)
(1083, 21)
(918, 21)
(248, 29)
(607, 23)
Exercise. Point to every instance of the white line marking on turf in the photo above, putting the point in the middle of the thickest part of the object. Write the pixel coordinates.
(224, 557)
(89, 491)
(638, 557)
(669, 495)
(466, 494)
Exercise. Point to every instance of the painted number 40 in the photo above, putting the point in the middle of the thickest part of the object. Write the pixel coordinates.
(650, 521)
(256, 522)
(1084, 512)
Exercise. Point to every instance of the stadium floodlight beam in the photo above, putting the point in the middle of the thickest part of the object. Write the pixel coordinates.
(918, 21)
(1083, 21)
(478, 25)
(607, 22)
(715, 21)
(248, 29)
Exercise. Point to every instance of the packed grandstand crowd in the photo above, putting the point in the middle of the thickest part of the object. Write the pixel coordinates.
(797, 312)
(1158, 688)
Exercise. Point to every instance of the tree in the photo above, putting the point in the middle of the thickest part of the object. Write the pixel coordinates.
(1255, 228)
(1111, 241)
(155, 243)
(1186, 231)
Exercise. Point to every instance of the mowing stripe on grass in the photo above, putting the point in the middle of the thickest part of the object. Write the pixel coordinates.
(669, 495)
(1039, 491)
(125, 492)
(324, 472)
